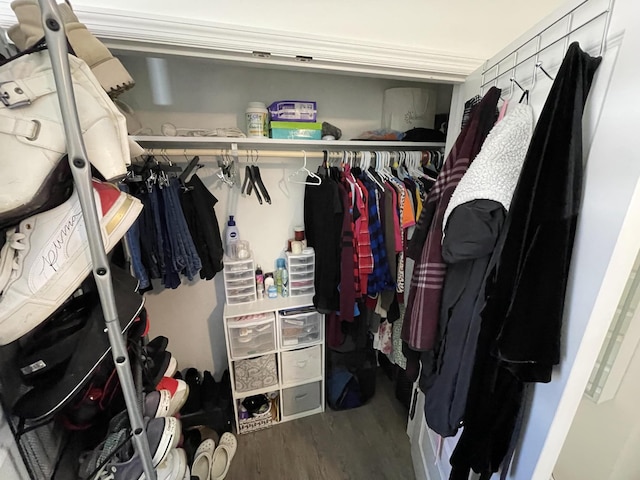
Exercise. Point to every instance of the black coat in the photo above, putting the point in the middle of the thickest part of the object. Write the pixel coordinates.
(521, 322)
(471, 235)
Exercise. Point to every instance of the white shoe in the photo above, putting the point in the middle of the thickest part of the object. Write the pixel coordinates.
(202, 461)
(46, 257)
(174, 466)
(32, 137)
(223, 455)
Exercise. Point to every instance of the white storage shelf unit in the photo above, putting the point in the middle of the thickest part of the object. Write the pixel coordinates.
(277, 346)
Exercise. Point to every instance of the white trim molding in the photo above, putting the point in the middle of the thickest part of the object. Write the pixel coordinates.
(130, 32)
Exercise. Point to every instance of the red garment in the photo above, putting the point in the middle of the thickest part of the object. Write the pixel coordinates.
(423, 305)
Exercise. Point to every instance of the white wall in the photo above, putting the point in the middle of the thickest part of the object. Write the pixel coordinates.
(206, 95)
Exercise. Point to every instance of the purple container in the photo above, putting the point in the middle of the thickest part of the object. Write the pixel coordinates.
(293, 110)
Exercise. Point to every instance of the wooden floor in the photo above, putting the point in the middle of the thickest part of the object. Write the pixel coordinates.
(366, 443)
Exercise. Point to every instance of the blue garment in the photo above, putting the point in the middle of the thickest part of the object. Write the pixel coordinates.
(170, 276)
(132, 238)
(184, 256)
(380, 279)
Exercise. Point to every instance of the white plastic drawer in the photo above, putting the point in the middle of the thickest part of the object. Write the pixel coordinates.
(238, 266)
(301, 399)
(301, 365)
(296, 260)
(232, 300)
(238, 275)
(296, 292)
(301, 277)
(300, 329)
(233, 283)
(301, 283)
(240, 289)
(251, 340)
(301, 269)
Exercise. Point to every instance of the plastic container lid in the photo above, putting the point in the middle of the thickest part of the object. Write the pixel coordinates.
(280, 263)
(231, 222)
(259, 105)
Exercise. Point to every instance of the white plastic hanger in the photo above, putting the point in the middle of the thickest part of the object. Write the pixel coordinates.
(305, 170)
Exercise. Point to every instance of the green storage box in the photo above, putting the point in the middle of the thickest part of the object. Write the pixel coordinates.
(296, 130)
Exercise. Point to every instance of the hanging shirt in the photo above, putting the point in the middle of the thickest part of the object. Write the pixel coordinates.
(380, 278)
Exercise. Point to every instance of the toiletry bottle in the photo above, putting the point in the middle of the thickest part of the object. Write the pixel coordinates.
(278, 275)
(259, 282)
(270, 288)
(285, 282)
(231, 234)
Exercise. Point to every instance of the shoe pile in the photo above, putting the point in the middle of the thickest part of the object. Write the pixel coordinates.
(116, 459)
(186, 433)
(45, 256)
(209, 403)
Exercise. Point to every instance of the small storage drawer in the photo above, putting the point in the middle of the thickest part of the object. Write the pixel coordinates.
(299, 260)
(296, 292)
(232, 300)
(235, 266)
(300, 329)
(301, 283)
(301, 399)
(239, 275)
(301, 365)
(240, 289)
(255, 373)
(249, 340)
(302, 277)
(301, 269)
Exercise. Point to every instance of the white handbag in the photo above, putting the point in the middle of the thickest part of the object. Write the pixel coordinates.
(34, 174)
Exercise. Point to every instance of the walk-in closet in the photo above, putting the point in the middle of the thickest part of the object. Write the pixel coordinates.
(336, 241)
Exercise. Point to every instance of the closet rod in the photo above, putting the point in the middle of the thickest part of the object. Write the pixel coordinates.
(551, 25)
(251, 154)
(544, 48)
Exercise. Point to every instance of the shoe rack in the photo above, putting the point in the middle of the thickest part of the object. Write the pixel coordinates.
(81, 169)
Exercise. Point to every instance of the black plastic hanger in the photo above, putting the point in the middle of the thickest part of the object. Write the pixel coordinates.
(258, 182)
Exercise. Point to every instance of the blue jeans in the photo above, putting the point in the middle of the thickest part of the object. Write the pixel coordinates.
(132, 237)
(184, 256)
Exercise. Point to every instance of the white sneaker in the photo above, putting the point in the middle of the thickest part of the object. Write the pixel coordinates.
(173, 467)
(46, 257)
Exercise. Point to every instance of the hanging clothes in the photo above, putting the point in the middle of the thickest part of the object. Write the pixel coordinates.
(160, 243)
(472, 223)
(525, 289)
(423, 304)
(198, 206)
(323, 215)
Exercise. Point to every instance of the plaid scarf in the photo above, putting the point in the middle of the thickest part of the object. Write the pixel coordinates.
(423, 305)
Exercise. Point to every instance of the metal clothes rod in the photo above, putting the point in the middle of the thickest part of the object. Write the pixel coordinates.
(254, 154)
(80, 168)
